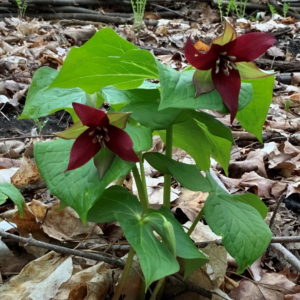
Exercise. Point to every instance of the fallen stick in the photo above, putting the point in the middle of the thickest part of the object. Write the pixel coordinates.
(63, 250)
(289, 256)
(285, 66)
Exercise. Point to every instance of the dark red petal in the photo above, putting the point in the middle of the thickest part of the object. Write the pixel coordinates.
(121, 144)
(90, 116)
(201, 61)
(83, 150)
(229, 88)
(249, 46)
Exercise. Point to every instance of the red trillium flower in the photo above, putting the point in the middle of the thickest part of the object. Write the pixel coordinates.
(228, 60)
(100, 133)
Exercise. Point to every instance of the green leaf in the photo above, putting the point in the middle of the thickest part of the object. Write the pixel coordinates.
(140, 136)
(42, 100)
(177, 91)
(253, 116)
(187, 175)
(144, 109)
(254, 201)
(157, 255)
(106, 59)
(202, 136)
(245, 234)
(78, 188)
(8, 190)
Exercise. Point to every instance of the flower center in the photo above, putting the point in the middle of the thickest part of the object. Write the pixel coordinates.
(225, 63)
(100, 135)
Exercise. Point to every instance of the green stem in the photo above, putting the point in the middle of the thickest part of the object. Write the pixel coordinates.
(157, 288)
(124, 275)
(140, 187)
(167, 177)
(143, 178)
(195, 222)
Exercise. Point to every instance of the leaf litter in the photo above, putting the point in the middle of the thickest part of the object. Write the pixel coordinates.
(270, 170)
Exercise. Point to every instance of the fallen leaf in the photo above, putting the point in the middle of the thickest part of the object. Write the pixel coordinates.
(27, 175)
(40, 279)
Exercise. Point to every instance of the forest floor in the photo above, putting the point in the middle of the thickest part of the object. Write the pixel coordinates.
(271, 170)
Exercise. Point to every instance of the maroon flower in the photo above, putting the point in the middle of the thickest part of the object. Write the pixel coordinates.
(100, 133)
(228, 60)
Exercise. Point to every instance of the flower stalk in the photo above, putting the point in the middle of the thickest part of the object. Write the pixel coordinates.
(167, 177)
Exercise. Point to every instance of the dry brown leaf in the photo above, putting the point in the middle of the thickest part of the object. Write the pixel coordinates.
(253, 162)
(27, 175)
(263, 187)
(61, 224)
(92, 283)
(288, 159)
(6, 163)
(190, 202)
(80, 35)
(40, 279)
(202, 233)
(11, 149)
(271, 286)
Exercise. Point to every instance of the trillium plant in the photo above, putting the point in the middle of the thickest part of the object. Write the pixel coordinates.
(86, 165)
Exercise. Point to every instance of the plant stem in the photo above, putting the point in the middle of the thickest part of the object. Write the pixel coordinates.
(167, 177)
(143, 178)
(195, 222)
(140, 187)
(157, 288)
(124, 275)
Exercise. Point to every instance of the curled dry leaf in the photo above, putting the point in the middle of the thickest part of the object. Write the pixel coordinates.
(271, 286)
(11, 149)
(288, 159)
(263, 187)
(89, 284)
(190, 202)
(61, 224)
(40, 279)
(28, 174)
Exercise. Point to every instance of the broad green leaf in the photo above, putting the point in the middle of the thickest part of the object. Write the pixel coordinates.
(8, 190)
(77, 188)
(106, 59)
(244, 233)
(254, 201)
(144, 109)
(42, 100)
(177, 91)
(202, 137)
(157, 255)
(140, 136)
(253, 116)
(187, 175)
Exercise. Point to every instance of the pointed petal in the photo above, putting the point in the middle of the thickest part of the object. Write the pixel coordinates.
(82, 151)
(249, 70)
(229, 88)
(121, 144)
(201, 61)
(90, 116)
(203, 82)
(228, 35)
(250, 46)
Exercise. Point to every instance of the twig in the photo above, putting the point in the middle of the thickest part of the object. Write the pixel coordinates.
(285, 239)
(26, 137)
(289, 257)
(33, 242)
(276, 210)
